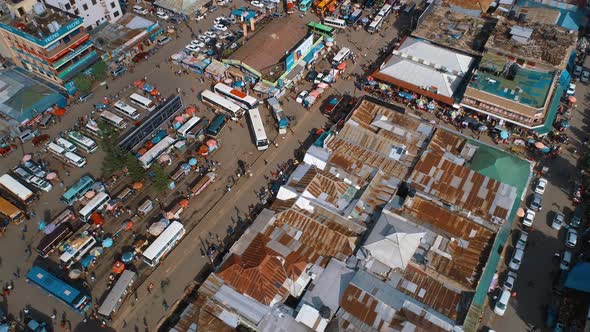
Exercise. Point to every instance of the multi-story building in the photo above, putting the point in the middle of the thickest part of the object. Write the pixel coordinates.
(93, 12)
(47, 41)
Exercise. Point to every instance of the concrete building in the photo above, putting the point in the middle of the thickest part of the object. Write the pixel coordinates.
(93, 12)
(48, 42)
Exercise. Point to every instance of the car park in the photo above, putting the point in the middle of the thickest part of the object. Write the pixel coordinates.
(301, 96)
(529, 218)
(164, 40)
(571, 238)
(502, 302)
(522, 240)
(516, 259)
(510, 280)
(536, 202)
(566, 260)
(541, 185)
(558, 221)
(257, 4)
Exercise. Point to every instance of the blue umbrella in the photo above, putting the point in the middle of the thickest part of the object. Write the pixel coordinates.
(86, 261)
(42, 225)
(504, 134)
(192, 161)
(185, 167)
(127, 257)
(107, 243)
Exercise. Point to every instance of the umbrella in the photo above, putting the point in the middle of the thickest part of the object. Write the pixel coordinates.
(118, 267)
(155, 92)
(87, 261)
(179, 119)
(137, 185)
(90, 194)
(539, 145)
(323, 85)
(572, 99)
(341, 66)
(504, 134)
(49, 229)
(203, 150)
(190, 110)
(42, 225)
(184, 203)
(129, 225)
(74, 274)
(51, 176)
(127, 257)
(27, 157)
(107, 243)
(329, 44)
(60, 111)
(211, 143)
(185, 167)
(97, 251)
(520, 212)
(192, 161)
(164, 158)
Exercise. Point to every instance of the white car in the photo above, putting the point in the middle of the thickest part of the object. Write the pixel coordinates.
(571, 89)
(164, 40)
(41, 184)
(222, 2)
(162, 15)
(558, 221)
(218, 20)
(190, 48)
(219, 27)
(516, 259)
(541, 185)
(200, 17)
(571, 238)
(318, 78)
(301, 96)
(258, 4)
(210, 34)
(502, 303)
(202, 37)
(140, 10)
(198, 43)
(577, 71)
(529, 218)
(225, 35)
(510, 280)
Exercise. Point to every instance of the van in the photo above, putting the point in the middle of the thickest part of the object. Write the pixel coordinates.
(217, 124)
(26, 135)
(75, 159)
(125, 193)
(119, 71)
(145, 207)
(58, 150)
(69, 146)
(577, 218)
(41, 184)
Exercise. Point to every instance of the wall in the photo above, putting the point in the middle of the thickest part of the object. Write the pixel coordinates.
(95, 12)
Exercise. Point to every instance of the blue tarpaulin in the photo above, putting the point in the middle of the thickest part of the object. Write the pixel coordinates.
(579, 278)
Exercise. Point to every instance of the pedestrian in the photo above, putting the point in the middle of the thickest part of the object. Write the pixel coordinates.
(106, 86)
(165, 305)
(150, 287)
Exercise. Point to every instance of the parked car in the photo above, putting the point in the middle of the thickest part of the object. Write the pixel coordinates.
(231, 20)
(164, 40)
(38, 140)
(257, 4)
(23, 174)
(191, 48)
(566, 260)
(585, 76)
(516, 259)
(34, 168)
(198, 43)
(162, 15)
(541, 185)
(219, 27)
(577, 71)
(510, 281)
(200, 17)
(571, 89)
(210, 34)
(558, 221)
(502, 302)
(218, 20)
(522, 239)
(84, 97)
(529, 218)
(7, 149)
(41, 184)
(140, 10)
(310, 76)
(571, 238)
(119, 71)
(222, 2)
(139, 57)
(301, 96)
(213, 8)
(225, 35)
(536, 202)
(318, 78)
(577, 217)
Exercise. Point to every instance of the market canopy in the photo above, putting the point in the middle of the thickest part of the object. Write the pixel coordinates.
(579, 277)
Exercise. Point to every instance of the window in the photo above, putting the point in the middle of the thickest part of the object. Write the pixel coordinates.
(94, 2)
(68, 7)
(21, 11)
(77, 12)
(116, 14)
(113, 5)
(72, 2)
(85, 7)
(97, 22)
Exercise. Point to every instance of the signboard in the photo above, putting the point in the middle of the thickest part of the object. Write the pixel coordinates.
(299, 52)
(47, 40)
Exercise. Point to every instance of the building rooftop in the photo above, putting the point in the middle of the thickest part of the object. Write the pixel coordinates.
(542, 44)
(194, 318)
(44, 24)
(186, 7)
(454, 30)
(566, 16)
(267, 46)
(115, 34)
(425, 66)
(481, 5)
(443, 173)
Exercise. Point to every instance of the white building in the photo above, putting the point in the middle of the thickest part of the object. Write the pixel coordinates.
(94, 12)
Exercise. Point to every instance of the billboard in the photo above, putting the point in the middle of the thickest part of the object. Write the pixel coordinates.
(299, 52)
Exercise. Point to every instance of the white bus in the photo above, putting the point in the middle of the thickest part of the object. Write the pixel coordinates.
(96, 203)
(385, 10)
(74, 253)
(83, 142)
(240, 98)
(257, 128)
(163, 243)
(188, 126)
(66, 144)
(55, 149)
(335, 22)
(223, 104)
(127, 110)
(92, 128)
(143, 102)
(113, 119)
(375, 24)
(148, 158)
(117, 295)
(340, 56)
(75, 159)
(16, 189)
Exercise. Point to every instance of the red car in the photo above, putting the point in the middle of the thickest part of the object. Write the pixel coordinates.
(38, 140)
(7, 149)
(140, 57)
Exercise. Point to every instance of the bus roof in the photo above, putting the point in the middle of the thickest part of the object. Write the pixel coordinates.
(320, 27)
(53, 285)
(8, 208)
(110, 302)
(156, 150)
(161, 241)
(76, 187)
(15, 187)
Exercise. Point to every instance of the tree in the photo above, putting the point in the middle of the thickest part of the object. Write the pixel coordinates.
(136, 172)
(99, 70)
(585, 162)
(159, 178)
(83, 83)
(115, 158)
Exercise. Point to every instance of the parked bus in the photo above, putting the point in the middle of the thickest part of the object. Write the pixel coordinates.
(257, 129)
(64, 226)
(216, 125)
(66, 144)
(85, 143)
(354, 17)
(304, 5)
(77, 190)
(385, 10)
(279, 115)
(76, 299)
(340, 56)
(92, 128)
(321, 29)
(10, 211)
(163, 243)
(75, 159)
(56, 149)
(127, 110)
(143, 102)
(117, 295)
(95, 204)
(198, 130)
(324, 6)
(375, 25)
(113, 119)
(203, 183)
(238, 97)
(150, 155)
(335, 22)
(223, 104)
(16, 189)
(76, 249)
(188, 126)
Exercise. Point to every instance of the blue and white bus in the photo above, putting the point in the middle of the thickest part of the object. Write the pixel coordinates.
(240, 98)
(84, 142)
(77, 190)
(257, 129)
(76, 299)
(279, 115)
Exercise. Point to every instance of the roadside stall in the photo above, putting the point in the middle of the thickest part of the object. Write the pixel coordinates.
(216, 70)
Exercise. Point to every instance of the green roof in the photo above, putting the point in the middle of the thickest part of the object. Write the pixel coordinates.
(500, 166)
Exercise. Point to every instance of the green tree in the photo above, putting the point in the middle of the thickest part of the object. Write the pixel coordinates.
(83, 83)
(159, 178)
(136, 172)
(585, 162)
(115, 158)
(99, 70)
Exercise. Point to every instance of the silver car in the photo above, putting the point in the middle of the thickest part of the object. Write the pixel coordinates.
(558, 221)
